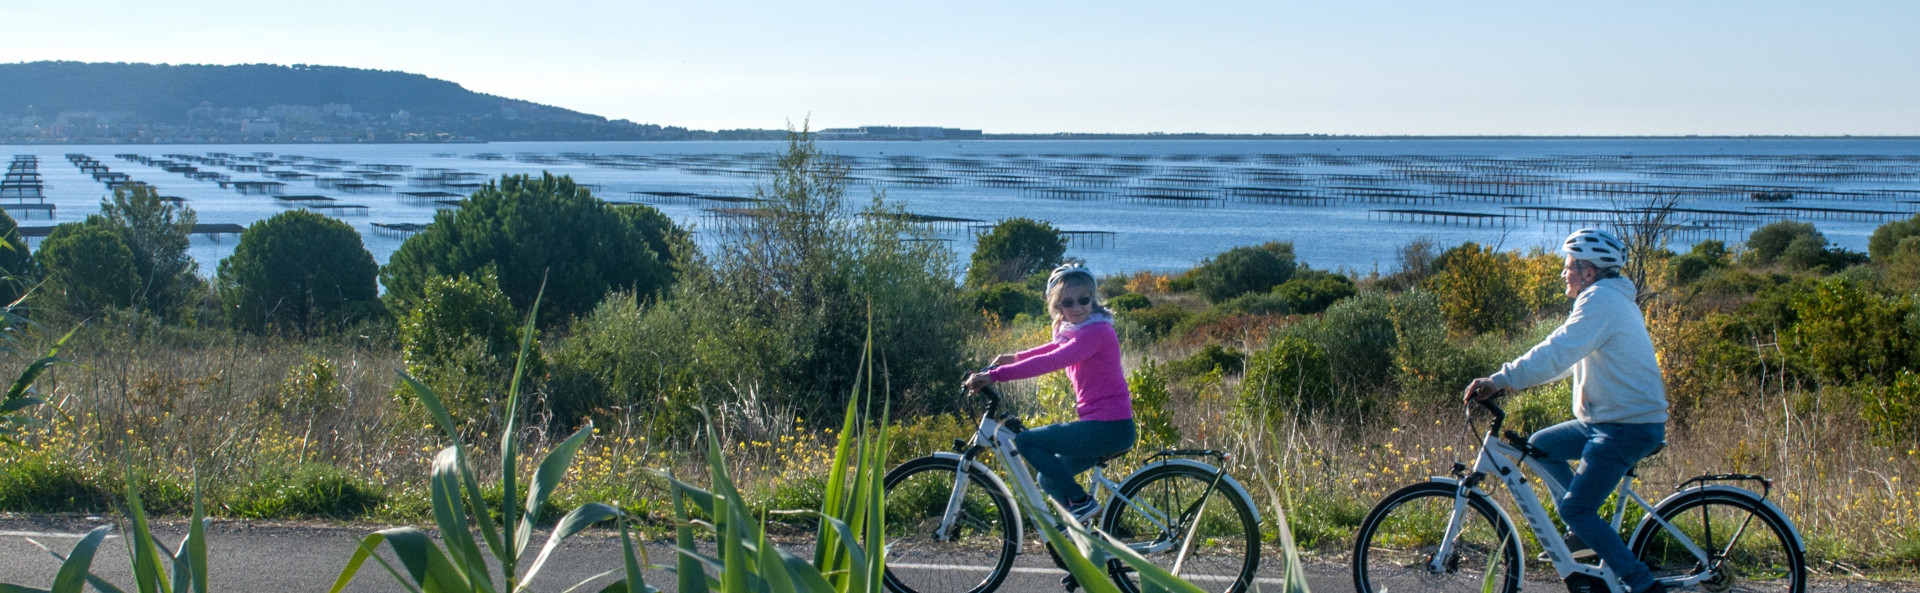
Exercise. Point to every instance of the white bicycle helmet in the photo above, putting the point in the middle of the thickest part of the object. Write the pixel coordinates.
(1596, 246)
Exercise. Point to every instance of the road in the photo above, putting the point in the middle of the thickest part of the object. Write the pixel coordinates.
(258, 556)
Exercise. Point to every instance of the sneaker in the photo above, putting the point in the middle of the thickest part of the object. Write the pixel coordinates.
(1576, 548)
(1085, 511)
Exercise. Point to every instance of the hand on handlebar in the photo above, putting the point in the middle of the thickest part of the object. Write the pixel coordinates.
(1480, 389)
(975, 381)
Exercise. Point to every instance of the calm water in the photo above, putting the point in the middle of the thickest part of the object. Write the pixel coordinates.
(991, 180)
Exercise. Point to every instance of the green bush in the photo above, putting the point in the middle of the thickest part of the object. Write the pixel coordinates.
(1541, 407)
(1146, 326)
(778, 317)
(1844, 333)
(1242, 270)
(49, 483)
(1428, 366)
(1210, 358)
(1892, 410)
(1258, 303)
(156, 232)
(1006, 300)
(461, 340)
(16, 263)
(1881, 245)
(1013, 250)
(1687, 269)
(1312, 291)
(299, 272)
(1148, 383)
(313, 490)
(535, 232)
(1480, 291)
(1359, 337)
(88, 269)
(1290, 377)
(1131, 301)
(1767, 243)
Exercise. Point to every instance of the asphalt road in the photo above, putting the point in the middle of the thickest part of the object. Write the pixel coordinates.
(254, 556)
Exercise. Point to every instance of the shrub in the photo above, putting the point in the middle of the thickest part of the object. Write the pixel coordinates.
(461, 340)
(1687, 269)
(1428, 367)
(1146, 326)
(1360, 341)
(1312, 291)
(88, 269)
(314, 490)
(1210, 358)
(1846, 333)
(1892, 411)
(1006, 300)
(535, 232)
(1148, 383)
(156, 232)
(1290, 376)
(1478, 290)
(1881, 245)
(298, 271)
(1257, 303)
(1242, 270)
(1013, 250)
(1767, 243)
(16, 263)
(1131, 301)
(49, 483)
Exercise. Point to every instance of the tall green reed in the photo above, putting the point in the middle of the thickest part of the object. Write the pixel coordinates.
(150, 559)
(459, 506)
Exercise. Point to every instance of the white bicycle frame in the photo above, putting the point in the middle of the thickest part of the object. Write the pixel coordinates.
(1497, 459)
(993, 435)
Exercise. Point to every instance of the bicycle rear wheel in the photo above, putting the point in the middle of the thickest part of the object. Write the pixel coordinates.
(1749, 546)
(974, 558)
(1397, 541)
(1173, 502)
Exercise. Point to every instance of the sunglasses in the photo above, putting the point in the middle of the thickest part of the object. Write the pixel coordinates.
(1071, 302)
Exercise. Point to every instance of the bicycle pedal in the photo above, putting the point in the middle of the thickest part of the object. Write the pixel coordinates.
(1072, 584)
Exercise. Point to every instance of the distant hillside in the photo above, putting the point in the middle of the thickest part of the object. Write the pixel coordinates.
(75, 102)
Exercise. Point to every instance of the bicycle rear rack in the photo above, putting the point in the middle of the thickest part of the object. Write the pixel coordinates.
(1766, 484)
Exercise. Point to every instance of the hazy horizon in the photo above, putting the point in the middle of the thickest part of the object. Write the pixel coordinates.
(1399, 68)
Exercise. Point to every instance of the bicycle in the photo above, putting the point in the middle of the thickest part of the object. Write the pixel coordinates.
(1448, 532)
(952, 525)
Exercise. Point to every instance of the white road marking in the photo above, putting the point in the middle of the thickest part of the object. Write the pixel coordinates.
(46, 534)
(1056, 571)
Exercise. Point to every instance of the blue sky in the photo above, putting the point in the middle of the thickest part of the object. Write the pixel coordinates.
(1361, 67)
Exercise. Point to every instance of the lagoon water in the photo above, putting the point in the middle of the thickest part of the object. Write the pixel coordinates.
(1128, 188)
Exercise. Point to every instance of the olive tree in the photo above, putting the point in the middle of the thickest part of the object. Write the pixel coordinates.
(156, 232)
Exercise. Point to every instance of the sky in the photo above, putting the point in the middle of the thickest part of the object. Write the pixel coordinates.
(1360, 67)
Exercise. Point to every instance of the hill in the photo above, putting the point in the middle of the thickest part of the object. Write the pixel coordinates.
(122, 102)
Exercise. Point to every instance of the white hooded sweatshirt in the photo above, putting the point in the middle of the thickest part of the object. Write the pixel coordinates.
(1604, 345)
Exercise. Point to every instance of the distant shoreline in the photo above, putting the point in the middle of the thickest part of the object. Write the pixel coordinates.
(1009, 137)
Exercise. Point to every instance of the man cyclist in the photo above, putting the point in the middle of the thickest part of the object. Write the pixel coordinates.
(1619, 403)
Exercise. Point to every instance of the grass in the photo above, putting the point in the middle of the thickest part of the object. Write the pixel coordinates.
(184, 402)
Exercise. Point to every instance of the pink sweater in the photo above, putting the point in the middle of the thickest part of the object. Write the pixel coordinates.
(1091, 356)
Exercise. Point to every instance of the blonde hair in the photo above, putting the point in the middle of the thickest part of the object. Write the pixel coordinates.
(1072, 276)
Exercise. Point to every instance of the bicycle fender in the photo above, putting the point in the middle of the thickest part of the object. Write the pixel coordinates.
(1227, 479)
(1019, 524)
(1498, 509)
(1792, 529)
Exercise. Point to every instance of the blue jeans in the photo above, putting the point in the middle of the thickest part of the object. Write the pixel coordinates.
(1059, 452)
(1606, 452)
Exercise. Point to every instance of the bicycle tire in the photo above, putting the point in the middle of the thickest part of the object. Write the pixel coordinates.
(1225, 562)
(979, 556)
(1399, 536)
(1742, 559)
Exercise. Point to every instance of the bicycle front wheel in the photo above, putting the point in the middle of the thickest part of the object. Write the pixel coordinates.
(1394, 551)
(977, 552)
(1172, 511)
(1749, 547)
